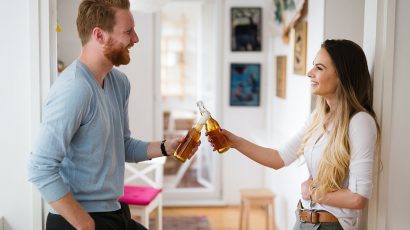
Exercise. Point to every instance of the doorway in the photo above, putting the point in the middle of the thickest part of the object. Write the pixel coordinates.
(188, 70)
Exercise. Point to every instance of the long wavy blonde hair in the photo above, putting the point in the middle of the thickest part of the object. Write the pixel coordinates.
(354, 94)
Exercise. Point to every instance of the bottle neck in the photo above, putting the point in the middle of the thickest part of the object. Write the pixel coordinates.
(198, 127)
(202, 108)
(201, 122)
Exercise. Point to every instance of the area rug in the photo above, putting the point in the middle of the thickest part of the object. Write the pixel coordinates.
(182, 223)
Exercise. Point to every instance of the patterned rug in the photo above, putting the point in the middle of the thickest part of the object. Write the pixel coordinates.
(182, 223)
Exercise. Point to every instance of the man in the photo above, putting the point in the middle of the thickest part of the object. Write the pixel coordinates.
(84, 139)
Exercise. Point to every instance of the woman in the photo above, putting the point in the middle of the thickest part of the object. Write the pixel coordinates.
(338, 141)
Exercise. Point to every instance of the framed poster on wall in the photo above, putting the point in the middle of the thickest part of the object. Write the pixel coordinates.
(281, 76)
(245, 84)
(299, 51)
(246, 29)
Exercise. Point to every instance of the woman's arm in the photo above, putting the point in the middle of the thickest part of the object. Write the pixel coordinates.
(343, 198)
(264, 156)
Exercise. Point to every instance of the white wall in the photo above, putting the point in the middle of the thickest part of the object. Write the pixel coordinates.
(399, 157)
(69, 44)
(141, 74)
(15, 118)
(238, 171)
(344, 19)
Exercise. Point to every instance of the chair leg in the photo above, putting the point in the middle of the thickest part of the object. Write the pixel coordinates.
(159, 218)
(145, 219)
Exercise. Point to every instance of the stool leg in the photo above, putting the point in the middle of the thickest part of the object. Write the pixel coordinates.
(241, 216)
(247, 215)
(269, 218)
(273, 218)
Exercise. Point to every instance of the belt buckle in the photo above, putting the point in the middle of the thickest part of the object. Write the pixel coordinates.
(314, 216)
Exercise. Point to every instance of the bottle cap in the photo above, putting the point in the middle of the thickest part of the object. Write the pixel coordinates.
(200, 102)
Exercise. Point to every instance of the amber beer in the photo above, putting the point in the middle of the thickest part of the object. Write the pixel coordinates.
(190, 140)
(213, 130)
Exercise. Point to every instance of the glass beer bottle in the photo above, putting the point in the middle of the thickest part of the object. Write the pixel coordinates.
(190, 140)
(213, 130)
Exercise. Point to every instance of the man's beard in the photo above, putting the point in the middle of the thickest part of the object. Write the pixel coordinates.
(117, 54)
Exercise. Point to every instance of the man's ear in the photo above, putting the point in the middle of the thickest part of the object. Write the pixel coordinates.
(98, 35)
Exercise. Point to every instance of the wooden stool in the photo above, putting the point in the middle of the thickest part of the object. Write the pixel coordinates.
(253, 197)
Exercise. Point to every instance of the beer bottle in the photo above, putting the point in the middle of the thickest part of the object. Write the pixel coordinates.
(190, 140)
(213, 130)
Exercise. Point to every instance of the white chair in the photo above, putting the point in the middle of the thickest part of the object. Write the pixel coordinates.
(143, 189)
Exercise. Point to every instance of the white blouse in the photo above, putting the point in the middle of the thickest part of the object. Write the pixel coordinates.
(362, 138)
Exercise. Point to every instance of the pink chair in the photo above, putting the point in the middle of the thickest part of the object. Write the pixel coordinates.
(142, 201)
(143, 189)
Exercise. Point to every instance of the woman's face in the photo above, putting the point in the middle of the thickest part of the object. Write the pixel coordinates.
(323, 76)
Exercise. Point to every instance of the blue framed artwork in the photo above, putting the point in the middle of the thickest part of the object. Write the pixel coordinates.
(245, 84)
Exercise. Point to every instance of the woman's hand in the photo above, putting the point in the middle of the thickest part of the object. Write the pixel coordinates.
(235, 140)
(305, 187)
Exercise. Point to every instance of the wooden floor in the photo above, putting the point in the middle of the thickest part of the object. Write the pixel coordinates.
(222, 218)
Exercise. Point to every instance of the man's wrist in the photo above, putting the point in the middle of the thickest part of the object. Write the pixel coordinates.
(163, 150)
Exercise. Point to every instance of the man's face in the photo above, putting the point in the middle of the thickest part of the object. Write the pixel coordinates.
(121, 39)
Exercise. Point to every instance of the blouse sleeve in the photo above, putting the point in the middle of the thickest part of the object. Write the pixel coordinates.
(288, 152)
(362, 138)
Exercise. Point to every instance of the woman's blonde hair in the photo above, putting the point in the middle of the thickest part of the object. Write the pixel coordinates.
(354, 94)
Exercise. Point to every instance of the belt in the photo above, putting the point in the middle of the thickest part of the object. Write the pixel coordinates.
(315, 216)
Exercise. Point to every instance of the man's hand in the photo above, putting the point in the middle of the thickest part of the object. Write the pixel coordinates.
(172, 145)
(71, 210)
(87, 223)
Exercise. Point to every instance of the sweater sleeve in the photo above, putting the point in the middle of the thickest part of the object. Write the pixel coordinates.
(65, 110)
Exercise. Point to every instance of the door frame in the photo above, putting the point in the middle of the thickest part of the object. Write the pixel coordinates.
(43, 69)
(383, 101)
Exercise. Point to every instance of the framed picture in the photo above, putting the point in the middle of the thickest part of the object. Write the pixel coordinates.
(299, 53)
(246, 28)
(245, 84)
(281, 76)
(286, 13)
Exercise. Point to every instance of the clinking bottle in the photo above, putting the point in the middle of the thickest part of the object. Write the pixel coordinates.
(191, 139)
(213, 130)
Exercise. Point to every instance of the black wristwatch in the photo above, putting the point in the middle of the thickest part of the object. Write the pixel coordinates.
(163, 150)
